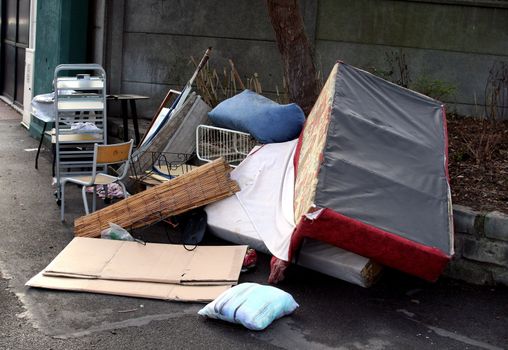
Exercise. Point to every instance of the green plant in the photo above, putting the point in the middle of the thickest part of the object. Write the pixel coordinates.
(398, 72)
(486, 142)
(483, 146)
(437, 89)
(215, 87)
(461, 155)
(282, 95)
(496, 92)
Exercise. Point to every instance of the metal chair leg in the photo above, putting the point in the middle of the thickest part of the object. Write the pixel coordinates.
(62, 201)
(94, 199)
(53, 162)
(125, 194)
(40, 146)
(85, 202)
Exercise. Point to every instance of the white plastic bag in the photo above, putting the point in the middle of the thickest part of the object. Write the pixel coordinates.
(253, 305)
(116, 232)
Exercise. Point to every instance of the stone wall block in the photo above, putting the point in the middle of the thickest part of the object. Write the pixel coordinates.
(486, 252)
(464, 219)
(458, 244)
(501, 277)
(496, 226)
(469, 271)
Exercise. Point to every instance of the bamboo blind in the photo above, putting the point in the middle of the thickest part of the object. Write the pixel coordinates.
(201, 186)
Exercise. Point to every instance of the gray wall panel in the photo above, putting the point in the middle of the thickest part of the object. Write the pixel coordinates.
(452, 41)
(157, 92)
(468, 73)
(240, 19)
(164, 59)
(415, 24)
(214, 18)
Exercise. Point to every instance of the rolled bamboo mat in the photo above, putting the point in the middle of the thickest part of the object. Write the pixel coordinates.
(203, 185)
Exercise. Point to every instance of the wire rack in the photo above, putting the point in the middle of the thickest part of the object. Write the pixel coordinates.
(213, 142)
(166, 165)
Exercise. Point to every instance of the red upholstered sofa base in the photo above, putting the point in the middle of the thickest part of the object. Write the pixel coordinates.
(368, 241)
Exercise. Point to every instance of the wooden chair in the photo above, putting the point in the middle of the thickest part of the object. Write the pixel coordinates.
(103, 155)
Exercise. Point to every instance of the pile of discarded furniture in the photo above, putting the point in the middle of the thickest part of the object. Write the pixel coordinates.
(359, 184)
(365, 185)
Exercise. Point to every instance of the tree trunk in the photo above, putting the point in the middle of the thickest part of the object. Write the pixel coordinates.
(294, 46)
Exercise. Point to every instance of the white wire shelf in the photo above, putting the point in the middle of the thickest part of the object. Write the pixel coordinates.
(213, 142)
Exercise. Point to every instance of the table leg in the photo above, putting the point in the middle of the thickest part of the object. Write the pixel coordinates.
(134, 114)
(40, 145)
(53, 153)
(125, 118)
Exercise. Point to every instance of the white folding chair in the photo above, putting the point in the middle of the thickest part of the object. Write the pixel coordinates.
(103, 155)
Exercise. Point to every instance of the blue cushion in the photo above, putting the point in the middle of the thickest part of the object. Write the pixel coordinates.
(253, 305)
(266, 120)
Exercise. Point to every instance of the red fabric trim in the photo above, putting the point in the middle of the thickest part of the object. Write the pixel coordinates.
(381, 246)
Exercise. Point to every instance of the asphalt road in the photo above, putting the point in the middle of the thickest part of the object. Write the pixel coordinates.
(400, 312)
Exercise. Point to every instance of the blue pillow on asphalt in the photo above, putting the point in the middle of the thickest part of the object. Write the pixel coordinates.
(266, 120)
(253, 305)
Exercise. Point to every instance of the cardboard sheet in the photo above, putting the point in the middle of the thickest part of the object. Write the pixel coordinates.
(163, 291)
(91, 258)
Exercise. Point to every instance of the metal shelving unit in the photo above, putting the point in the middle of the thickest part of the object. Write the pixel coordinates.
(80, 97)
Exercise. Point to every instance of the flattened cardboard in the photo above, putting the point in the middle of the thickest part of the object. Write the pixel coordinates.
(91, 258)
(163, 291)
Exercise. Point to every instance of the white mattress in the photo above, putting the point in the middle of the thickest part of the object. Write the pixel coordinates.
(227, 219)
(261, 215)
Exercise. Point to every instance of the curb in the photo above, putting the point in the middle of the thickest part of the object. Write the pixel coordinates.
(481, 247)
(492, 224)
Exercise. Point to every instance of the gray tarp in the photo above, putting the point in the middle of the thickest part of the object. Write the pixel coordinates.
(385, 159)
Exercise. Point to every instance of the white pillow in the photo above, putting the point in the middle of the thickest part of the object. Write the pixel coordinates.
(253, 305)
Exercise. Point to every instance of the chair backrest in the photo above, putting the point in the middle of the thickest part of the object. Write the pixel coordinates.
(112, 154)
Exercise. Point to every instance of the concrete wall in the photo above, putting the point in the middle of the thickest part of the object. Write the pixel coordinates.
(157, 39)
(148, 43)
(96, 32)
(452, 41)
